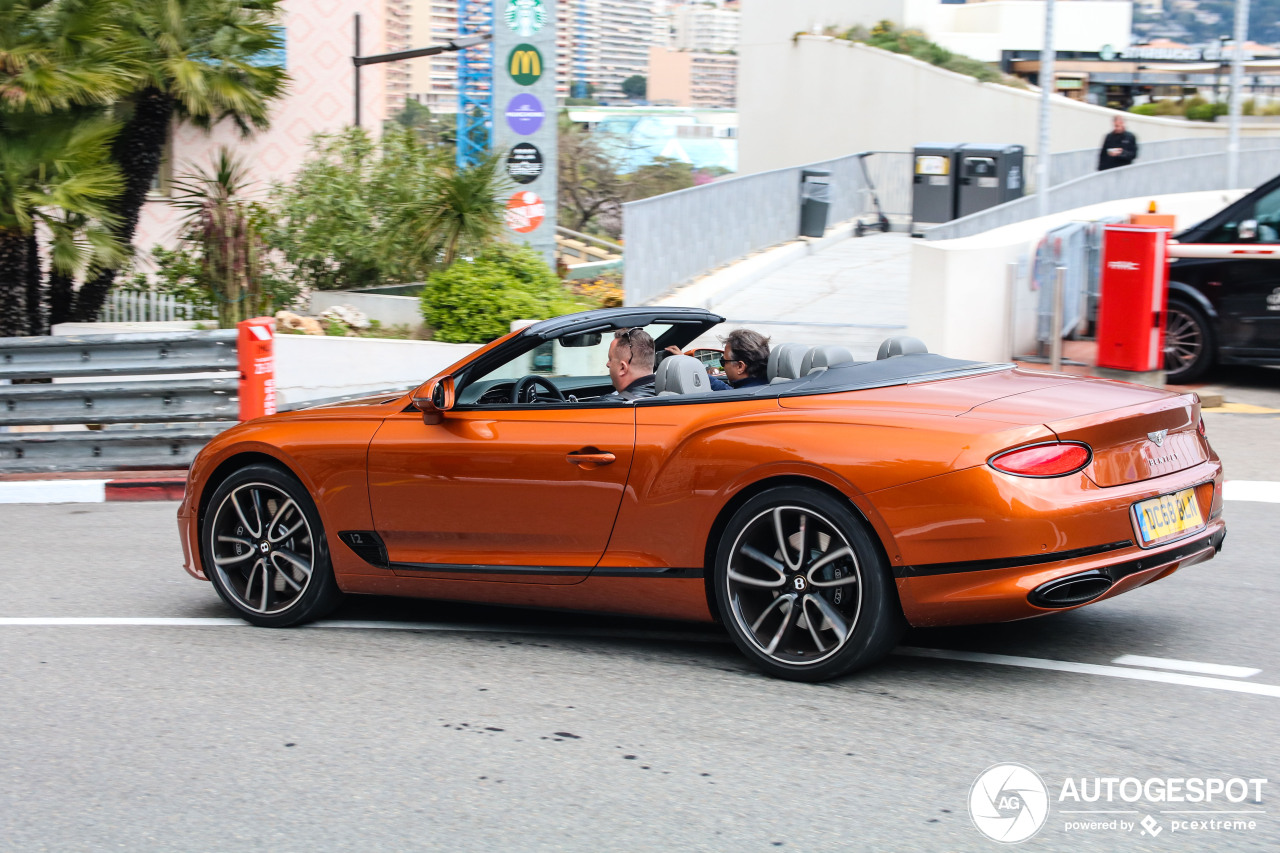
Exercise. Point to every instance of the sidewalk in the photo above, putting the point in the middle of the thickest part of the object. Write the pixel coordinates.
(851, 292)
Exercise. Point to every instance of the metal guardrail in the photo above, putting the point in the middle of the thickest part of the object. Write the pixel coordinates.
(1066, 166)
(1197, 173)
(672, 238)
(146, 423)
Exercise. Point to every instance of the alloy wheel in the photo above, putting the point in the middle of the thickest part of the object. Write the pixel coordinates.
(1183, 341)
(262, 548)
(795, 585)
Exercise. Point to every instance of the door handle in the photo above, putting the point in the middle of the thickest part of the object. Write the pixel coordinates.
(589, 457)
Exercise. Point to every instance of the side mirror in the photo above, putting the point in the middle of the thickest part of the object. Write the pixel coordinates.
(434, 399)
(1247, 230)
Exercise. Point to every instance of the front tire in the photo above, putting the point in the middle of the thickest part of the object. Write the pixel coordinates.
(803, 589)
(265, 551)
(1188, 343)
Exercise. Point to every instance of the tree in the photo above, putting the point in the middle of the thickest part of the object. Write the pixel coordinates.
(199, 61)
(431, 128)
(460, 209)
(589, 189)
(219, 225)
(334, 221)
(635, 86)
(60, 64)
(663, 175)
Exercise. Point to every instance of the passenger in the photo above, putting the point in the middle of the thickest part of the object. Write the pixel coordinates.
(631, 365)
(745, 361)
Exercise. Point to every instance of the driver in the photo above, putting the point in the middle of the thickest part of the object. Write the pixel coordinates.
(631, 365)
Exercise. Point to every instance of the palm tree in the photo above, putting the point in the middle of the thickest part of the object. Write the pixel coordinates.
(52, 163)
(460, 210)
(200, 64)
(219, 224)
(60, 63)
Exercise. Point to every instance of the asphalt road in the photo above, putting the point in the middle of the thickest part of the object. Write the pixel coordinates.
(469, 728)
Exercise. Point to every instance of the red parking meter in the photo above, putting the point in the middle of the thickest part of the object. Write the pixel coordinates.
(256, 359)
(1135, 283)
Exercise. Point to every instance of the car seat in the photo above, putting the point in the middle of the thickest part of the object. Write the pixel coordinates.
(900, 345)
(784, 362)
(820, 358)
(681, 374)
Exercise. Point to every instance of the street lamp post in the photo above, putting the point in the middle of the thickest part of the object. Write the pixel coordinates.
(360, 61)
(1047, 56)
(1237, 74)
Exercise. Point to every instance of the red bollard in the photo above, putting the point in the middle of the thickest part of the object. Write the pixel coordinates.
(256, 358)
(1135, 284)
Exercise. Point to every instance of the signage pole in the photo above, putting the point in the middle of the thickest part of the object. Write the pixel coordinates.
(1047, 56)
(525, 120)
(1237, 74)
(357, 70)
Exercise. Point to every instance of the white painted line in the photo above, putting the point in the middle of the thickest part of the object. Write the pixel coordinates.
(145, 621)
(1262, 491)
(1096, 669)
(53, 492)
(1188, 666)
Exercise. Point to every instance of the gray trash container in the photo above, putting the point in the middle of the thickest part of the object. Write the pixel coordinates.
(815, 200)
(933, 189)
(989, 175)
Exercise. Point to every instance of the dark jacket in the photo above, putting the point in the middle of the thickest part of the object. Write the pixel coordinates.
(749, 382)
(1128, 145)
(642, 387)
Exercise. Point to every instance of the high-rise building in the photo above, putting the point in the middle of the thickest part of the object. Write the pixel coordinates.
(693, 78)
(625, 34)
(698, 27)
(398, 29)
(434, 79)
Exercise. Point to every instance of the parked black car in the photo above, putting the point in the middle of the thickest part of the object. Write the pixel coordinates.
(1224, 305)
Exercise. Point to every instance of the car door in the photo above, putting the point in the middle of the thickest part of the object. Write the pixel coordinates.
(501, 493)
(1242, 277)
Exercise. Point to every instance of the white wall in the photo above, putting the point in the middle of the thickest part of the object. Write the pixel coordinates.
(983, 30)
(310, 367)
(959, 298)
(387, 310)
(815, 98)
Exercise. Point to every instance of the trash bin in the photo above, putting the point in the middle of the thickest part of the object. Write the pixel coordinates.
(815, 199)
(989, 175)
(933, 192)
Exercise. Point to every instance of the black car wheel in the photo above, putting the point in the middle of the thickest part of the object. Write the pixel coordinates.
(264, 549)
(802, 588)
(1188, 343)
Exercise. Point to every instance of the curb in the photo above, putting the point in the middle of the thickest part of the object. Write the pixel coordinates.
(80, 490)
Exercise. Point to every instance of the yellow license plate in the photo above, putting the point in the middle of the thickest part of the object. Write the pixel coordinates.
(1168, 516)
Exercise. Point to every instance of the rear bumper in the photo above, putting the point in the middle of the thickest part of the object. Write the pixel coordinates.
(1016, 592)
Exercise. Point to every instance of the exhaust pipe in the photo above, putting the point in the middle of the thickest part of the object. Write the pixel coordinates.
(1071, 590)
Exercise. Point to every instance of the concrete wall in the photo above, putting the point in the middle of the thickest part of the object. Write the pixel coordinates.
(309, 367)
(983, 30)
(960, 292)
(387, 310)
(808, 98)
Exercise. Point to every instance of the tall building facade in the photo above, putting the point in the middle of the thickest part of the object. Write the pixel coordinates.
(434, 79)
(398, 35)
(698, 27)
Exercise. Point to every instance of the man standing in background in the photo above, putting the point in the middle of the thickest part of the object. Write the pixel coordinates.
(1120, 148)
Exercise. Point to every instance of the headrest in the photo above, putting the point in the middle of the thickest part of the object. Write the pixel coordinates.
(784, 361)
(821, 357)
(681, 374)
(900, 345)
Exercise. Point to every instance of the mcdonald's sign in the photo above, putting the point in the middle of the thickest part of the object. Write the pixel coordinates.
(525, 64)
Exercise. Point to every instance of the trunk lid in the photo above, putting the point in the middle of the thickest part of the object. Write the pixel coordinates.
(1136, 432)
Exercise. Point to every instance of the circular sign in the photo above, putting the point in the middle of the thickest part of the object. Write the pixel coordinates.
(524, 163)
(525, 114)
(1009, 803)
(525, 211)
(525, 64)
(526, 17)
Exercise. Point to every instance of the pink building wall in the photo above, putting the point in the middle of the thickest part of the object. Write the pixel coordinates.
(319, 43)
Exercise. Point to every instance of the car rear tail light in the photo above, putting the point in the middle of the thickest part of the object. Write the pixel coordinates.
(1204, 433)
(1054, 459)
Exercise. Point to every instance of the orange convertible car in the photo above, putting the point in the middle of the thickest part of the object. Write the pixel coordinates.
(815, 516)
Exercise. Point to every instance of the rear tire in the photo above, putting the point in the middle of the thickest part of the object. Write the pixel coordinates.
(263, 547)
(803, 589)
(1188, 343)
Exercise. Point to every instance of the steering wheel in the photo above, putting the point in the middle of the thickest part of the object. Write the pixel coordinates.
(525, 387)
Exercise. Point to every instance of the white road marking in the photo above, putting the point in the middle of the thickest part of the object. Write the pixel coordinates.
(1262, 491)
(53, 492)
(1096, 669)
(1187, 666)
(906, 651)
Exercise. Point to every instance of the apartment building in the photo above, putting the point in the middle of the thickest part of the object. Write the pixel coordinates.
(707, 28)
(693, 78)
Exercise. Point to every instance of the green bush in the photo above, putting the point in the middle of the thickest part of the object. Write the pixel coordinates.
(1205, 111)
(474, 301)
(1143, 109)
